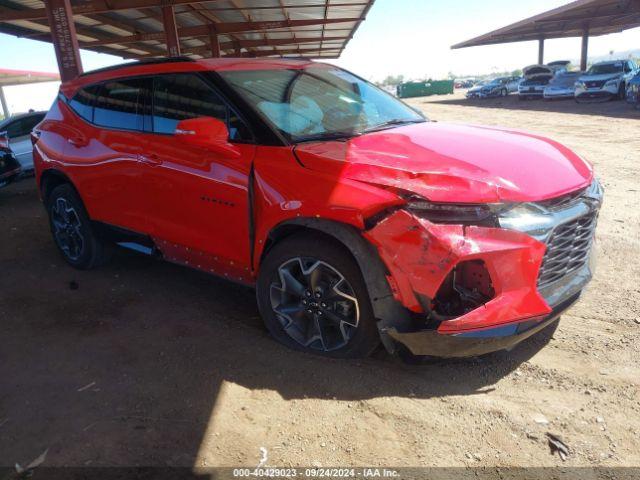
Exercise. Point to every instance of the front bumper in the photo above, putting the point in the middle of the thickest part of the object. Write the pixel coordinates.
(479, 342)
(535, 91)
(480, 94)
(551, 93)
(527, 291)
(596, 93)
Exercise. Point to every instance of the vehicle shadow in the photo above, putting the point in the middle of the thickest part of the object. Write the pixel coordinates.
(123, 366)
(615, 109)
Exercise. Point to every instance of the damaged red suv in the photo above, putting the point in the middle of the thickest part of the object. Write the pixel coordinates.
(357, 220)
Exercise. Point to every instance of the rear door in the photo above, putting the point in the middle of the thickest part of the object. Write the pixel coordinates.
(200, 198)
(104, 151)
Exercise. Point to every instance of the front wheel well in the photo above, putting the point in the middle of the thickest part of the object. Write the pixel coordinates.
(388, 311)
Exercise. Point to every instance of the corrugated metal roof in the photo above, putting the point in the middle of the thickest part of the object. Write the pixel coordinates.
(595, 17)
(118, 31)
(19, 77)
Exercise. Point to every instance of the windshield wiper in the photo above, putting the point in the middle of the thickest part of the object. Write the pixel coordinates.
(321, 137)
(393, 123)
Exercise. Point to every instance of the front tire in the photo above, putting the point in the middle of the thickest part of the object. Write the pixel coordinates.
(72, 231)
(312, 298)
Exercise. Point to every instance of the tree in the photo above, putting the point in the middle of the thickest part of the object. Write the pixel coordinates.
(392, 80)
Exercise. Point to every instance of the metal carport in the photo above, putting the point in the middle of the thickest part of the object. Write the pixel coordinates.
(138, 29)
(9, 78)
(582, 18)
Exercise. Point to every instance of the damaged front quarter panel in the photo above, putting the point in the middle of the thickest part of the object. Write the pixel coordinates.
(423, 257)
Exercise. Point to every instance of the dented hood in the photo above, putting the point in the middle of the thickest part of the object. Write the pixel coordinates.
(453, 163)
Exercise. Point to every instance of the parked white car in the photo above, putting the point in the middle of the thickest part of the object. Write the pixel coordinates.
(18, 130)
(605, 80)
(563, 85)
(536, 78)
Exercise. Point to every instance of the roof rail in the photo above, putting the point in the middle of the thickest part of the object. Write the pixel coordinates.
(151, 61)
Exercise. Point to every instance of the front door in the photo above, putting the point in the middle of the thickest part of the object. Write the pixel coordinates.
(200, 198)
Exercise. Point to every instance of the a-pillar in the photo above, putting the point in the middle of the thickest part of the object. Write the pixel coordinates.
(64, 38)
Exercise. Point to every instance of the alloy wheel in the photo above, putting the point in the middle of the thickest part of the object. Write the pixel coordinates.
(67, 229)
(315, 304)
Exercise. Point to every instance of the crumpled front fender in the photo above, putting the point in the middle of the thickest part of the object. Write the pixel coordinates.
(420, 255)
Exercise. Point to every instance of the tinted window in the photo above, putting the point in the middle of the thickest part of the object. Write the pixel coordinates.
(123, 104)
(31, 121)
(23, 126)
(184, 96)
(82, 102)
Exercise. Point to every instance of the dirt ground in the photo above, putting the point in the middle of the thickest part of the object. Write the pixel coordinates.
(147, 363)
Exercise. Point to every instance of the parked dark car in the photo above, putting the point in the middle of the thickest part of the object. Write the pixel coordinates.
(633, 91)
(9, 167)
(498, 87)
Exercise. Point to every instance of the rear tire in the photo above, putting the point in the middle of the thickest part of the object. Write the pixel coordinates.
(72, 231)
(322, 302)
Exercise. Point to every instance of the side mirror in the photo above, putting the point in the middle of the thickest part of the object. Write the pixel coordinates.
(4, 140)
(207, 132)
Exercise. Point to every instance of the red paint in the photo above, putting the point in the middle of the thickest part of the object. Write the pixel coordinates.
(445, 162)
(192, 197)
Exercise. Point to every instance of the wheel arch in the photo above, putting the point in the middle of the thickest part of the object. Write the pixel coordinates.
(387, 310)
(52, 178)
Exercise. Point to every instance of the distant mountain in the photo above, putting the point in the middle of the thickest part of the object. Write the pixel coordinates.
(616, 56)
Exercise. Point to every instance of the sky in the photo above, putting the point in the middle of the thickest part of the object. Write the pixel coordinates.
(408, 37)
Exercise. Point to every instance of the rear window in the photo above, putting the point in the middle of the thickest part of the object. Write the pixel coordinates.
(123, 104)
(82, 102)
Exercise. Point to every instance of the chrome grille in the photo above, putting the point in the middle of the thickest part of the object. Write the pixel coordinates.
(568, 248)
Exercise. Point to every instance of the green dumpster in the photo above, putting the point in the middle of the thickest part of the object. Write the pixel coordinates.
(425, 88)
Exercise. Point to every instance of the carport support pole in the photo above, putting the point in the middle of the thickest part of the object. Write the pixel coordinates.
(64, 38)
(170, 31)
(214, 41)
(5, 108)
(585, 50)
(541, 51)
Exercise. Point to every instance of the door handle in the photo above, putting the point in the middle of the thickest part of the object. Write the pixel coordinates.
(151, 159)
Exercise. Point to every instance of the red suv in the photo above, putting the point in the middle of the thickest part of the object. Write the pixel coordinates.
(357, 220)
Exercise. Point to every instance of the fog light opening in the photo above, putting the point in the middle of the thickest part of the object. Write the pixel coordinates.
(466, 288)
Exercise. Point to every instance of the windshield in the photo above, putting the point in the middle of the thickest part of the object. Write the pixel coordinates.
(318, 102)
(605, 68)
